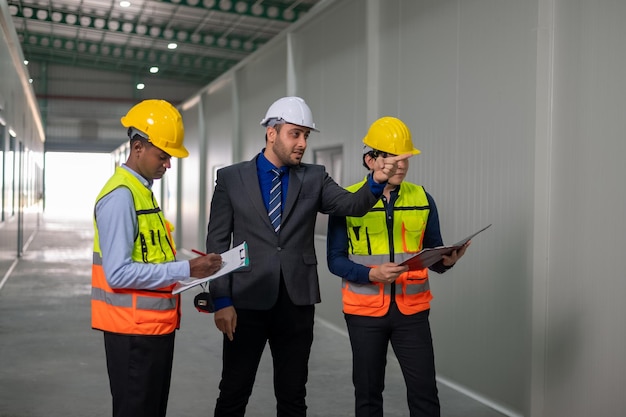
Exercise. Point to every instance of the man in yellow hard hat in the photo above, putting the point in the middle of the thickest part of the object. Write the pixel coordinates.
(134, 265)
(383, 301)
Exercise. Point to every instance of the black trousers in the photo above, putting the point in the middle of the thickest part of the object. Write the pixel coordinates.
(140, 370)
(412, 344)
(289, 330)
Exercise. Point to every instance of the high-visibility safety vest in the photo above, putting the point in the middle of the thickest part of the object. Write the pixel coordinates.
(370, 243)
(133, 311)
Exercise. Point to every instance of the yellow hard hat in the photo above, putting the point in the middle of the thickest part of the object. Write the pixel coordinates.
(391, 135)
(161, 122)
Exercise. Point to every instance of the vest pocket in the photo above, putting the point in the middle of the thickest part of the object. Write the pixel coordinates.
(412, 233)
(363, 295)
(415, 293)
(364, 235)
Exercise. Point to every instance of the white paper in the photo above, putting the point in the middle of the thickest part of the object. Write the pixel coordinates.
(232, 260)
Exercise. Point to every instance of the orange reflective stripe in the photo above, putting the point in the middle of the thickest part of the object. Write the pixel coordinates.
(405, 248)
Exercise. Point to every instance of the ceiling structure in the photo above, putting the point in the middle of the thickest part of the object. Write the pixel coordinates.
(210, 36)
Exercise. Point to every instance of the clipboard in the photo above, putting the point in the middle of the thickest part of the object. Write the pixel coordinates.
(232, 260)
(429, 256)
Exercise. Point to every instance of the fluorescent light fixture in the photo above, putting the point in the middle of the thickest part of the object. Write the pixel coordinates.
(125, 3)
(154, 70)
(172, 45)
(12, 133)
(141, 86)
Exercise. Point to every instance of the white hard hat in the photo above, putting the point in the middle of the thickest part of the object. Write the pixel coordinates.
(291, 110)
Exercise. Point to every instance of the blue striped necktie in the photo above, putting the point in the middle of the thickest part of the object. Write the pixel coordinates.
(275, 209)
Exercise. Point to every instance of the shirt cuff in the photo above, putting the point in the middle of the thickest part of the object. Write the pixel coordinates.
(376, 188)
(222, 302)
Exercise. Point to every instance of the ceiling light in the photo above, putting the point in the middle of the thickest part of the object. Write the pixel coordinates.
(26, 62)
(172, 45)
(154, 70)
(141, 86)
(125, 3)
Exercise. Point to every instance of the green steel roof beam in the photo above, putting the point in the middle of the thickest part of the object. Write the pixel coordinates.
(86, 51)
(127, 27)
(267, 9)
(174, 73)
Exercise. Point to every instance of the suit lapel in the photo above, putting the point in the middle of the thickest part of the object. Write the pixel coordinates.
(253, 190)
(296, 178)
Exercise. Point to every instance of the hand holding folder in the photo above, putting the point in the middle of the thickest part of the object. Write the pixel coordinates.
(429, 256)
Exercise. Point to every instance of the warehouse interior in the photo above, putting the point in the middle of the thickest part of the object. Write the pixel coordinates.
(517, 106)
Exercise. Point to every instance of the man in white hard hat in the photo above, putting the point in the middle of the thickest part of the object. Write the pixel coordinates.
(273, 299)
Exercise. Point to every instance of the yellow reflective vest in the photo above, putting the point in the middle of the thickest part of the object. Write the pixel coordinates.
(134, 311)
(370, 243)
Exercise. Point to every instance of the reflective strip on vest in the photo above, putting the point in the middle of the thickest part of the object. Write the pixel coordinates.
(126, 300)
(118, 300)
(371, 289)
(151, 303)
(412, 289)
(364, 289)
(369, 259)
(379, 259)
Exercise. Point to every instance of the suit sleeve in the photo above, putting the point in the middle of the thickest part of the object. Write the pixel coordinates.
(341, 202)
(219, 232)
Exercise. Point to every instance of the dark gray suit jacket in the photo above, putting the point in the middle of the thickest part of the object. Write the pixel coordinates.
(238, 214)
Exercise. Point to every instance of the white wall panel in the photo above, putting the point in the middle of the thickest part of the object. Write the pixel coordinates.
(219, 134)
(259, 84)
(330, 63)
(586, 331)
(462, 76)
(189, 183)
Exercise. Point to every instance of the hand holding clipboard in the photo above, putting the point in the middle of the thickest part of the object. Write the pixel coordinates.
(429, 256)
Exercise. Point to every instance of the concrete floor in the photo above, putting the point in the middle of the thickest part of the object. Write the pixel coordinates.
(52, 363)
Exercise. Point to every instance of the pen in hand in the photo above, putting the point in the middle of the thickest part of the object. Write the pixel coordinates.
(205, 264)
